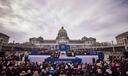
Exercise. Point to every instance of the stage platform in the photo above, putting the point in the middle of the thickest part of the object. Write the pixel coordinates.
(84, 58)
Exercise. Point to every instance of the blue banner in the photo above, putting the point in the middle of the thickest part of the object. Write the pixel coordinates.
(64, 47)
(57, 60)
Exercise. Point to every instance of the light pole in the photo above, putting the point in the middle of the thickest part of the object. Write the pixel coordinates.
(113, 49)
(125, 45)
(13, 46)
(1, 44)
(1, 41)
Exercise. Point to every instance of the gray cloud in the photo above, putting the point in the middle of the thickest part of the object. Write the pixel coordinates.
(102, 19)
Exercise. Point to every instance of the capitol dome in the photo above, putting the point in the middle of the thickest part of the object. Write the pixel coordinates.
(62, 34)
(84, 38)
(40, 38)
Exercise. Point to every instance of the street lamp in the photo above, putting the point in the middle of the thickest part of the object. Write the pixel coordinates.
(0, 46)
(113, 47)
(125, 44)
(13, 45)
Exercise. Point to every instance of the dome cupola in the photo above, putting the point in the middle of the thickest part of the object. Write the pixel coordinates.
(62, 34)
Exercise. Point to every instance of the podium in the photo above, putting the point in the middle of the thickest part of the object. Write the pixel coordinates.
(63, 58)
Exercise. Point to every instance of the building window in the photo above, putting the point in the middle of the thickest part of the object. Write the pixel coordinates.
(1, 41)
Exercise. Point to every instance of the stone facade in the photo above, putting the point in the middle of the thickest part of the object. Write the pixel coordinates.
(4, 39)
(122, 39)
(62, 38)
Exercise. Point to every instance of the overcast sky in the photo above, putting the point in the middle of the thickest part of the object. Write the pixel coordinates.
(101, 19)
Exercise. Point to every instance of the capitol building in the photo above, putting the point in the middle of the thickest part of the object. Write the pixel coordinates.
(62, 38)
(63, 41)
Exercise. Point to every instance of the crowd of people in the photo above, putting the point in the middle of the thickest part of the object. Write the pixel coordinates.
(14, 65)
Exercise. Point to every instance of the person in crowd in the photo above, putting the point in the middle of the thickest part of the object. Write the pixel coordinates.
(23, 73)
(36, 73)
(29, 73)
(12, 65)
